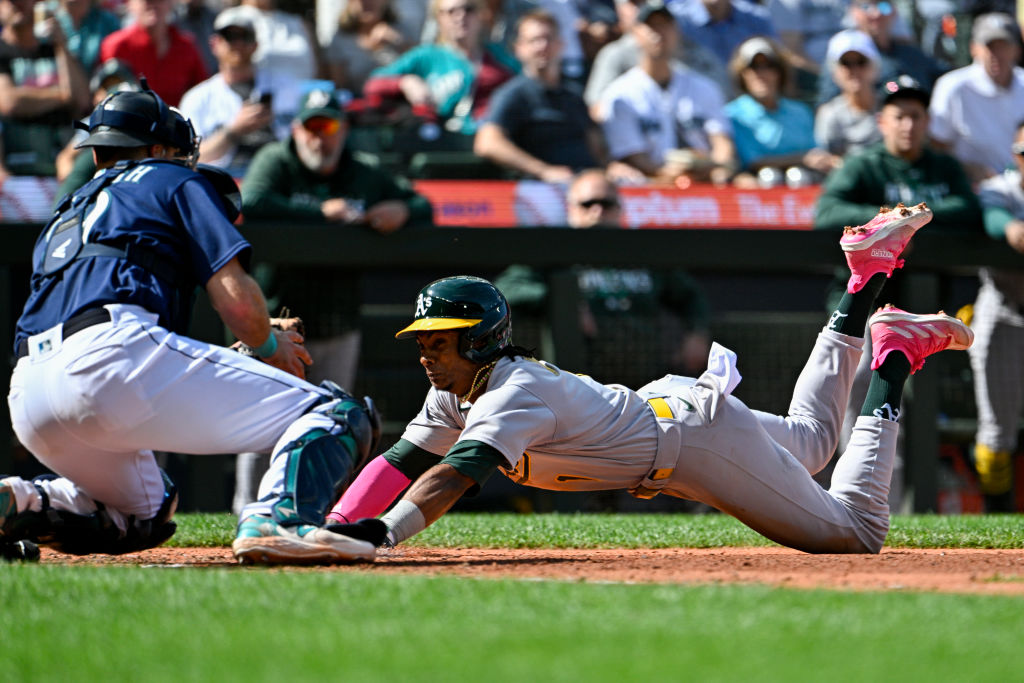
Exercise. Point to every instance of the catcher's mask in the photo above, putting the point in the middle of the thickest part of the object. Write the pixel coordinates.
(127, 118)
(469, 304)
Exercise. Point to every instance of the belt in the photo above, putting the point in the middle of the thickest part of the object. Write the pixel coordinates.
(666, 456)
(76, 323)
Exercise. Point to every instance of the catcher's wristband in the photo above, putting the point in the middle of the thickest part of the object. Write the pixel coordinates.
(267, 348)
(403, 521)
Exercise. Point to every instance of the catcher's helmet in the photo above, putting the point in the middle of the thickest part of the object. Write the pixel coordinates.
(137, 119)
(470, 304)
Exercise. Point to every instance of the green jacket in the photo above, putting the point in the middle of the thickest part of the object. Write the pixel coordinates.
(853, 193)
(278, 185)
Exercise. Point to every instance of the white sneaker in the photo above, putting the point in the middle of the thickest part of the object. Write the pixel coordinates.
(261, 540)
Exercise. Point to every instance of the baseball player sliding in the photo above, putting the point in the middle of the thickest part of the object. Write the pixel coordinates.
(490, 406)
(105, 374)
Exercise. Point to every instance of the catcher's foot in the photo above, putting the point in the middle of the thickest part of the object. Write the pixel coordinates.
(915, 336)
(19, 551)
(875, 247)
(260, 540)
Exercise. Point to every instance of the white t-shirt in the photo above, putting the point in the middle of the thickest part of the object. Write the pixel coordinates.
(640, 116)
(212, 104)
(978, 117)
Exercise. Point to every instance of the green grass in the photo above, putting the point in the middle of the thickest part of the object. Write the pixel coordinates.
(643, 531)
(87, 623)
(113, 624)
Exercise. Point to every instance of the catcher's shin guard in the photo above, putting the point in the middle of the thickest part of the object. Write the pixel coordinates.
(322, 462)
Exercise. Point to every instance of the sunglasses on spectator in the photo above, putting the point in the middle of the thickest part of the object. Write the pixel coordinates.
(884, 8)
(854, 62)
(603, 202)
(1018, 149)
(322, 125)
(238, 35)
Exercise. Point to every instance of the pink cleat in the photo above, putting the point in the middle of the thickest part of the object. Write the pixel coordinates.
(875, 247)
(916, 336)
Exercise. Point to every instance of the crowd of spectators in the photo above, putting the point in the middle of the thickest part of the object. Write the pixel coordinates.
(676, 91)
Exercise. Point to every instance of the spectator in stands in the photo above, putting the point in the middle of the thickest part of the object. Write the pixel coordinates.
(311, 176)
(664, 120)
(42, 89)
(635, 321)
(285, 50)
(156, 49)
(197, 17)
(805, 27)
(722, 25)
(847, 123)
(770, 131)
(536, 125)
(85, 24)
(623, 54)
(454, 76)
(233, 110)
(997, 355)
(975, 109)
(368, 36)
(410, 17)
(897, 55)
(899, 169)
(73, 167)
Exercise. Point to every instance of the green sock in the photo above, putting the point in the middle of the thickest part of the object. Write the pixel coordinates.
(885, 391)
(853, 311)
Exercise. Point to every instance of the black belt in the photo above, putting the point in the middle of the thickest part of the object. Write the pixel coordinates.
(76, 323)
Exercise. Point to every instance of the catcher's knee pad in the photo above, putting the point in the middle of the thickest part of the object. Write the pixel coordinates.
(360, 417)
(77, 534)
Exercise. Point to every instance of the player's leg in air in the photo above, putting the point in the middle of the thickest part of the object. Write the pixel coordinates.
(757, 467)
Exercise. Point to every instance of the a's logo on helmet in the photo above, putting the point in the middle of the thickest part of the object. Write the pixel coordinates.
(423, 304)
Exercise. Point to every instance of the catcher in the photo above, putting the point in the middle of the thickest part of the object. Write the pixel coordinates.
(492, 407)
(113, 277)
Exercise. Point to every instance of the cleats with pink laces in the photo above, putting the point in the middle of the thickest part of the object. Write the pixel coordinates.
(875, 247)
(916, 336)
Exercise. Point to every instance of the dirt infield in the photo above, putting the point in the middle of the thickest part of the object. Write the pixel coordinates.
(998, 572)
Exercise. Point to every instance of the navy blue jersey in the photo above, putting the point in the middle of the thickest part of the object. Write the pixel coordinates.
(162, 210)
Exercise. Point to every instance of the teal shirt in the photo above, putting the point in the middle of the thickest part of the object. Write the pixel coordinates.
(448, 74)
(760, 132)
(84, 42)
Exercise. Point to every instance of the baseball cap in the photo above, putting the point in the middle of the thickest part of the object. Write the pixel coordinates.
(851, 40)
(995, 26)
(112, 70)
(754, 47)
(903, 87)
(319, 102)
(649, 9)
(232, 18)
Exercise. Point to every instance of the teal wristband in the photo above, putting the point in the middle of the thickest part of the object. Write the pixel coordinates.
(267, 348)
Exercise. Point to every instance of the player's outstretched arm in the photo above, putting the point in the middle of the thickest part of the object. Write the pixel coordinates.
(430, 496)
(240, 304)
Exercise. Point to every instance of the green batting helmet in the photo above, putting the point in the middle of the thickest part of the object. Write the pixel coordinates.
(469, 304)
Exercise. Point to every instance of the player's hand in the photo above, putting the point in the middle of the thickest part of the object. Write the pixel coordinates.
(291, 355)
(387, 216)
